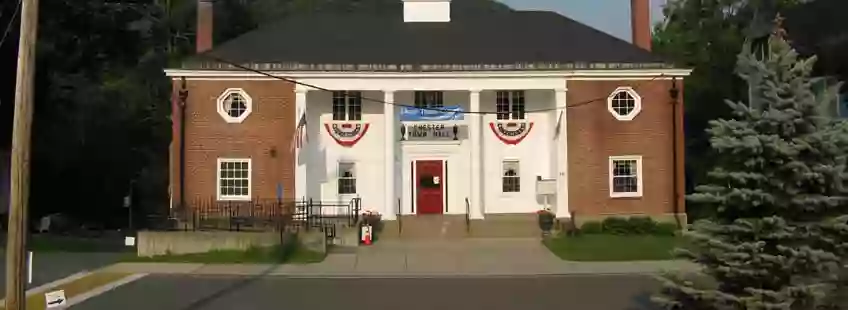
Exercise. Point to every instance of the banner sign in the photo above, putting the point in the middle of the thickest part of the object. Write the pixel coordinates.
(447, 113)
(432, 132)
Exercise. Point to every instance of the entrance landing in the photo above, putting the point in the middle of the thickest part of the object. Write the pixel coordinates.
(456, 226)
(467, 256)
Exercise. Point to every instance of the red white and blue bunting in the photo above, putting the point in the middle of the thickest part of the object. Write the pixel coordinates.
(346, 134)
(511, 132)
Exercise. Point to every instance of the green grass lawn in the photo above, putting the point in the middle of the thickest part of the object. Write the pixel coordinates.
(46, 243)
(610, 248)
(111, 243)
(256, 255)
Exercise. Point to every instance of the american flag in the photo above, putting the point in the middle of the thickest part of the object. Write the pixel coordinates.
(300, 136)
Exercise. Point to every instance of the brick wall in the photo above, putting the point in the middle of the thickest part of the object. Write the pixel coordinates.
(594, 135)
(267, 130)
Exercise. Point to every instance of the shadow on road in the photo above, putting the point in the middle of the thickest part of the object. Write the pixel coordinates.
(224, 292)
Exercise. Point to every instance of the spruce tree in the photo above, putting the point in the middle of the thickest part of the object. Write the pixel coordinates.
(779, 239)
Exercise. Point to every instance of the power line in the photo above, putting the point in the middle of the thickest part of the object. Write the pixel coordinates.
(556, 108)
(11, 21)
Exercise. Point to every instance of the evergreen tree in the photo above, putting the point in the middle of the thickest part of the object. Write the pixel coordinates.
(779, 239)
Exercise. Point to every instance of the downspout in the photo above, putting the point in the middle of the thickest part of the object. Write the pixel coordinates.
(674, 93)
(183, 97)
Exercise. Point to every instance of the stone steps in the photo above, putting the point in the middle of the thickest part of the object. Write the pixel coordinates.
(435, 227)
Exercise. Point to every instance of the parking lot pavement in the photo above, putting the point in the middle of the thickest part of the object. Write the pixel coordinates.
(193, 292)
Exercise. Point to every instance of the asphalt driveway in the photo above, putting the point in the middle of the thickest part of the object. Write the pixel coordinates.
(172, 292)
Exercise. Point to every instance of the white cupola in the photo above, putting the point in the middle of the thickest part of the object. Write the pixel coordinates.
(426, 11)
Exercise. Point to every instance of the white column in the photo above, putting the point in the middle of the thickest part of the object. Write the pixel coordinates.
(562, 157)
(475, 126)
(301, 156)
(391, 207)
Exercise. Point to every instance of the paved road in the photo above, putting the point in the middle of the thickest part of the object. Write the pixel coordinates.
(52, 266)
(172, 292)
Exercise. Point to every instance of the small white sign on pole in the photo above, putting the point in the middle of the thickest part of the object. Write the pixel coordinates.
(29, 267)
(129, 241)
(55, 299)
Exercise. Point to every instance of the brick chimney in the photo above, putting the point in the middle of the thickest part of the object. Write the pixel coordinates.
(203, 32)
(640, 22)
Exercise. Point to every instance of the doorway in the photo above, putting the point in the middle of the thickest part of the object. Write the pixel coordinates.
(429, 184)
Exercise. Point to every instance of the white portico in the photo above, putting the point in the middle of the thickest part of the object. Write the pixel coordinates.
(507, 130)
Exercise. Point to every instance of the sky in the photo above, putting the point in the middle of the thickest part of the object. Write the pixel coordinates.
(611, 16)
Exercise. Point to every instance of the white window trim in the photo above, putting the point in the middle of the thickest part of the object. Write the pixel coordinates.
(424, 92)
(249, 180)
(339, 178)
(639, 180)
(347, 105)
(248, 102)
(637, 103)
(510, 106)
(520, 178)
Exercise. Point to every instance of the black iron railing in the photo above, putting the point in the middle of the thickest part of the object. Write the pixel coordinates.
(326, 215)
(467, 217)
(399, 217)
(255, 214)
(266, 214)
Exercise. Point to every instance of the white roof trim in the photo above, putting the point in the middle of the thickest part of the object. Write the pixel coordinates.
(635, 73)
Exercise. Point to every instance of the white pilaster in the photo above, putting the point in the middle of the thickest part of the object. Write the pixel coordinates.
(475, 126)
(301, 156)
(391, 208)
(562, 156)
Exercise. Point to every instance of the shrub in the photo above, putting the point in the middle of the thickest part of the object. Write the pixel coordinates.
(592, 227)
(637, 225)
(616, 226)
(641, 225)
(665, 229)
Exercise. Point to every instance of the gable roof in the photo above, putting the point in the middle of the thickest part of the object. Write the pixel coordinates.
(514, 40)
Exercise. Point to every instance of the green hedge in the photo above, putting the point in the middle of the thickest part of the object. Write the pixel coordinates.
(636, 225)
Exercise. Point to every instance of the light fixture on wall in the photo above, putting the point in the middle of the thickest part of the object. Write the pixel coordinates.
(402, 132)
(455, 132)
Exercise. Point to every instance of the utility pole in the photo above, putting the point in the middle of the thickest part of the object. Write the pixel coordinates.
(19, 193)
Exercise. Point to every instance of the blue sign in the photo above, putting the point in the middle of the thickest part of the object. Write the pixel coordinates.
(448, 113)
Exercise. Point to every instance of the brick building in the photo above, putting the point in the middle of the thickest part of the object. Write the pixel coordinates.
(432, 111)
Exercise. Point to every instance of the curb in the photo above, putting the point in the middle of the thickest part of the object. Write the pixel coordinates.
(401, 275)
(44, 287)
(102, 289)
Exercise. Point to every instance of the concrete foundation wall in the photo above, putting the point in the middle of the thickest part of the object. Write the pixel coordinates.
(152, 243)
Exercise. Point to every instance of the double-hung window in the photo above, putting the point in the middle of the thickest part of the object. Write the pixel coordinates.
(510, 105)
(347, 106)
(625, 174)
(511, 177)
(347, 178)
(233, 179)
(429, 99)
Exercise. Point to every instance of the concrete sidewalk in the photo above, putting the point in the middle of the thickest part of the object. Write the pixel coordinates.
(470, 257)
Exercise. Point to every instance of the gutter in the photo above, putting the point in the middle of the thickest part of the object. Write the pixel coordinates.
(183, 96)
(674, 93)
(570, 73)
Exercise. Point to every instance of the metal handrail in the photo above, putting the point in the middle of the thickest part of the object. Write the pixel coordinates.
(467, 216)
(399, 218)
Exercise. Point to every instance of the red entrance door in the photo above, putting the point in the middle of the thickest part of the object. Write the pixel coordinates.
(429, 182)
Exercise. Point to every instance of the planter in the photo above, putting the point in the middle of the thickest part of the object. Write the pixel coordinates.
(373, 219)
(546, 223)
